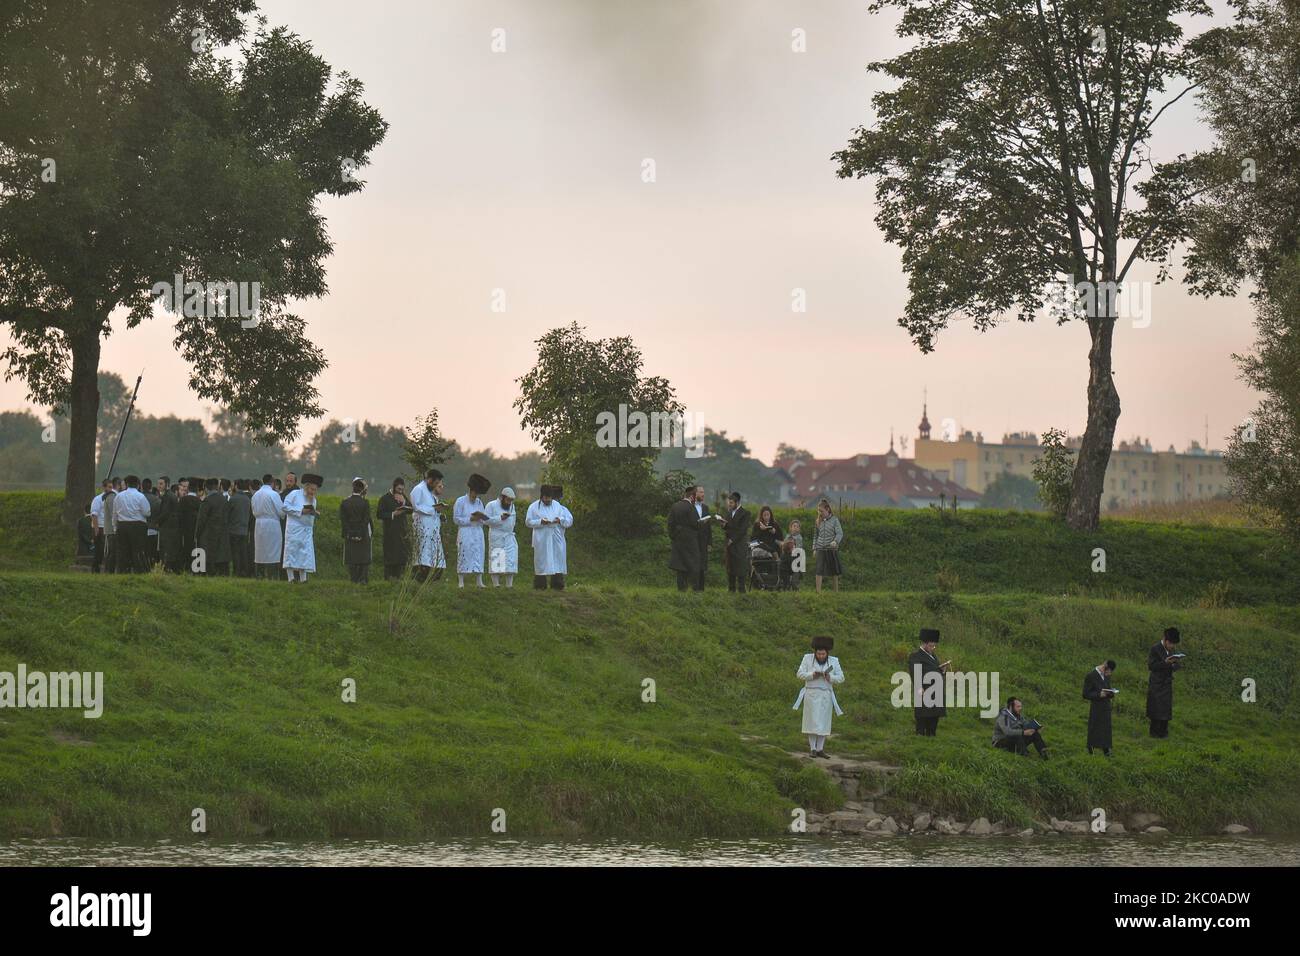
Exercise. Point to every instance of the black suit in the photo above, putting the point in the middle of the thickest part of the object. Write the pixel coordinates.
(926, 717)
(1160, 689)
(1099, 730)
(704, 539)
(737, 534)
(354, 516)
(169, 533)
(189, 519)
(685, 556)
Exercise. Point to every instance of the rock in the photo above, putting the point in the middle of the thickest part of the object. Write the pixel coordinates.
(847, 820)
(1000, 828)
(1140, 821)
(814, 817)
(980, 827)
(1027, 832)
(853, 805)
(922, 822)
(874, 823)
(944, 825)
(813, 829)
(1155, 830)
(889, 826)
(1069, 826)
(1236, 829)
(1116, 829)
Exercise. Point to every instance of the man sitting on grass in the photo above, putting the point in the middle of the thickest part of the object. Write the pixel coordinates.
(1011, 731)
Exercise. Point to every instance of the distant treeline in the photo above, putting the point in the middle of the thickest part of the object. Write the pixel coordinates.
(34, 451)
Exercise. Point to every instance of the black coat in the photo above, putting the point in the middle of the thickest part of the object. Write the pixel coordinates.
(354, 515)
(1160, 686)
(704, 533)
(684, 535)
(397, 530)
(169, 528)
(771, 538)
(1099, 730)
(240, 513)
(212, 532)
(189, 519)
(928, 665)
(737, 533)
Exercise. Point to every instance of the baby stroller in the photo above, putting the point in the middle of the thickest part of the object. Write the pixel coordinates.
(764, 569)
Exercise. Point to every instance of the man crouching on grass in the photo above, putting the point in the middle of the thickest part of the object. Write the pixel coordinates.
(1012, 731)
(819, 671)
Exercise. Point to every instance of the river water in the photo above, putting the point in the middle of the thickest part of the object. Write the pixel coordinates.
(792, 851)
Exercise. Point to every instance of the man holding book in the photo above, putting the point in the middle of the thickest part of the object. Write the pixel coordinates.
(1099, 694)
(1013, 731)
(1162, 660)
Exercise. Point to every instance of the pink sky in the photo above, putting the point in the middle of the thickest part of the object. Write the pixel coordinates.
(521, 171)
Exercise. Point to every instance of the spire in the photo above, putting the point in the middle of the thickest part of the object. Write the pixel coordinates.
(925, 415)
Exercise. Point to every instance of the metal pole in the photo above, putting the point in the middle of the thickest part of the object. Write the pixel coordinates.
(125, 422)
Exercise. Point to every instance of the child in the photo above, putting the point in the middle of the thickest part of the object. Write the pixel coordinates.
(793, 542)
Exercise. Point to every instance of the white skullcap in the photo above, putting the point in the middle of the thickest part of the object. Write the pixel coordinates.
(508, 492)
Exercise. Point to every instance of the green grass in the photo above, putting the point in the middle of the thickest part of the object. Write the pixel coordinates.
(226, 695)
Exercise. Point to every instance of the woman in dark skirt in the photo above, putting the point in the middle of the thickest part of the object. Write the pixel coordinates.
(826, 546)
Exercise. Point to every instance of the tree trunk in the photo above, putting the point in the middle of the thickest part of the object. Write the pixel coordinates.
(1099, 435)
(83, 414)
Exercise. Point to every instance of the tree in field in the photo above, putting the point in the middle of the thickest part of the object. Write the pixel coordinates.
(1007, 159)
(425, 445)
(1013, 492)
(131, 153)
(562, 399)
(785, 450)
(1247, 230)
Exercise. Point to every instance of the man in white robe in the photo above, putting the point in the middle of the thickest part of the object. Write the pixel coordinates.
(470, 519)
(549, 519)
(819, 672)
(428, 525)
(299, 529)
(503, 548)
(268, 539)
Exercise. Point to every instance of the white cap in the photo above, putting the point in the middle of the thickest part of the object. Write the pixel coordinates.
(508, 492)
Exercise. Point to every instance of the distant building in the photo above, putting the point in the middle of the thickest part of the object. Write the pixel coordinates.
(872, 481)
(1136, 475)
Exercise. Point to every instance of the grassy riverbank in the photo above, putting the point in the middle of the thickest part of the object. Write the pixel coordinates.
(226, 695)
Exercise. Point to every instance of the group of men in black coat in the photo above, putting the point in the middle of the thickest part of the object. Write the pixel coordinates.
(690, 533)
(1162, 660)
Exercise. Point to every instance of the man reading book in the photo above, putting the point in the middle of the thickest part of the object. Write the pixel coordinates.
(1013, 731)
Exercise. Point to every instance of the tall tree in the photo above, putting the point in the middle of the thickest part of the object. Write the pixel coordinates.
(1247, 230)
(130, 153)
(1007, 158)
(576, 383)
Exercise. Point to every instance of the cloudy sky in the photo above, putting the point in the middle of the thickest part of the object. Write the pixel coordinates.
(521, 171)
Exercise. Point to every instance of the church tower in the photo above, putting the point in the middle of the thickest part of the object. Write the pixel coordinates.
(925, 418)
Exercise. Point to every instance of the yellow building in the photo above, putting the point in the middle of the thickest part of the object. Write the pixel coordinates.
(1136, 474)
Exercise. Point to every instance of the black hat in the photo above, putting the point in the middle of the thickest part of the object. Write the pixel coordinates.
(823, 643)
(478, 484)
(433, 473)
(552, 491)
(1172, 635)
(929, 634)
(310, 479)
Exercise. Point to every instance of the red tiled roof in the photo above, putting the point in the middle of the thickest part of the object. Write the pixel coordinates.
(903, 479)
